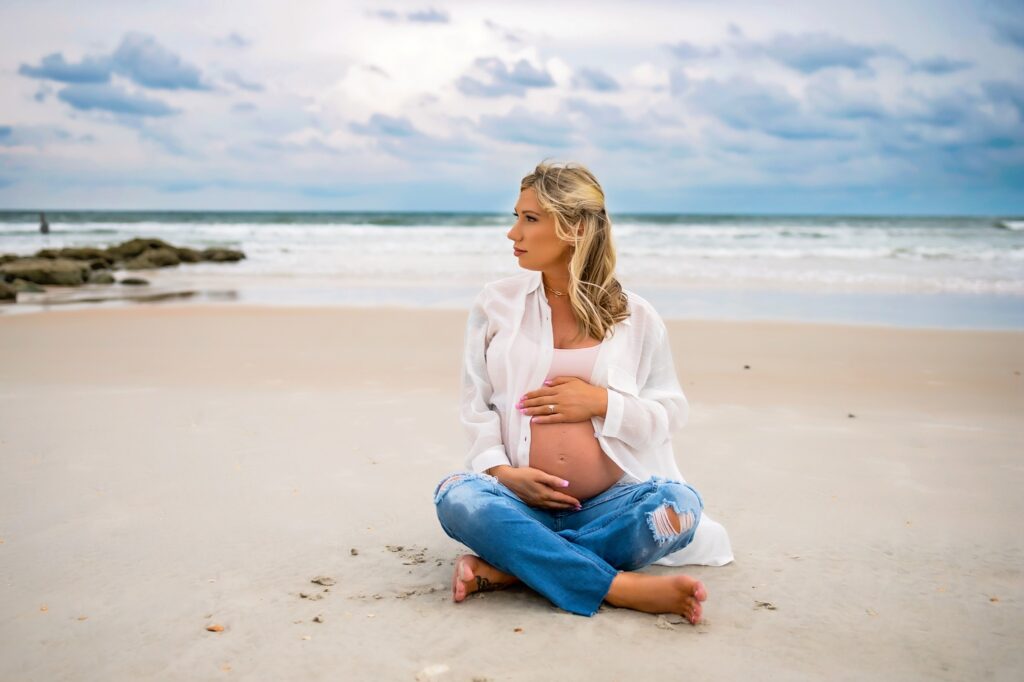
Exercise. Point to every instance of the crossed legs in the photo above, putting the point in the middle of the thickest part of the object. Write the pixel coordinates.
(515, 543)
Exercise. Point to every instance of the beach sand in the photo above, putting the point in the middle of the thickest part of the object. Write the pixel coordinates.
(164, 468)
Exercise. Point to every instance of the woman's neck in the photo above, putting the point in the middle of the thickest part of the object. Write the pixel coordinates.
(557, 282)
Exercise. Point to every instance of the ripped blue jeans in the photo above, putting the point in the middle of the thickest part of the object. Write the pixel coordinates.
(570, 557)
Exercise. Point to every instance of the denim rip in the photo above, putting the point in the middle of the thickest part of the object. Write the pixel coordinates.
(659, 521)
(452, 480)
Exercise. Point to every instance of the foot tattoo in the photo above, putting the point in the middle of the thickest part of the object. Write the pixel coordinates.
(485, 585)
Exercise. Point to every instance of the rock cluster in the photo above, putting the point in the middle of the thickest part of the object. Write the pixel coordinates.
(75, 266)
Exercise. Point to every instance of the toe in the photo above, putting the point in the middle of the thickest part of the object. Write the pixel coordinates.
(700, 592)
(458, 587)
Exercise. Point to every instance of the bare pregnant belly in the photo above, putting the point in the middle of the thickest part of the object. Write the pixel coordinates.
(570, 451)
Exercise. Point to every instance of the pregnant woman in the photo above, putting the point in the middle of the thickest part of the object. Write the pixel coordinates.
(569, 399)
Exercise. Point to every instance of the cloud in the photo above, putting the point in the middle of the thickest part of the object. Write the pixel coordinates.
(381, 124)
(678, 82)
(243, 107)
(594, 79)
(1011, 33)
(149, 64)
(504, 32)
(94, 69)
(523, 127)
(503, 81)
(827, 98)
(111, 98)
(235, 40)
(236, 80)
(685, 50)
(944, 111)
(39, 136)
(813, 51)
(1006, 92)
(606, 126)
(1006, 22)
(139, 57)
(428, 16)
(42, 92)
(744, 104)
(940, 65)
(397, 136)
(425, 16)
(385, 14)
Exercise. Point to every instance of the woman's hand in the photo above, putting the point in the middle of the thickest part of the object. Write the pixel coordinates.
(574, 400)
(535, 487)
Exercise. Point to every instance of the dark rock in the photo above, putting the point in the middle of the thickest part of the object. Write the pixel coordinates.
(74, 266)
(22, 285)
(134, 247)
(154, 258)
(188, 255)
(59, 271)
(218, 255)
(7, 293)
(99, 258)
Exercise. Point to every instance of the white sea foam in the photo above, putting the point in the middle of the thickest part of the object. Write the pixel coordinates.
(898, 255)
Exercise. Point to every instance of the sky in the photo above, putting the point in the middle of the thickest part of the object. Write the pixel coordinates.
(873, 107)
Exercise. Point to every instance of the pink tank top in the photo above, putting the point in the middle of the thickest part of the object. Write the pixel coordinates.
(579, 362)
(573, 362)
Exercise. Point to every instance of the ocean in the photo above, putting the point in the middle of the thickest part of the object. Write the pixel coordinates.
(920, 271)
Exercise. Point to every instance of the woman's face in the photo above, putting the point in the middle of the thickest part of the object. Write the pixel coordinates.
(533, 235)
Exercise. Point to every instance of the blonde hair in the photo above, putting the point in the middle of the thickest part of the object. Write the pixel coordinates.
(571, 193)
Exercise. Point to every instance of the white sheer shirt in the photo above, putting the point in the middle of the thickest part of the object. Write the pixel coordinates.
(509, 344)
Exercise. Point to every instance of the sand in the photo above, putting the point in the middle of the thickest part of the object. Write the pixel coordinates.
(169, 467)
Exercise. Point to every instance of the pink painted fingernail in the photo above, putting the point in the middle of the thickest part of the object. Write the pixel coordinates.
(547, 383)
(565, 484)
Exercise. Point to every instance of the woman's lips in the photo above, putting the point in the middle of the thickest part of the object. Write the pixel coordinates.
(516, 252)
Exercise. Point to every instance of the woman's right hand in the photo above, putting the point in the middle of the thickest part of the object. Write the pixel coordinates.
(535, 487)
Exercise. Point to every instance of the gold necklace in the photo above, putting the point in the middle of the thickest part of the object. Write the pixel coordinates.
(556, 293)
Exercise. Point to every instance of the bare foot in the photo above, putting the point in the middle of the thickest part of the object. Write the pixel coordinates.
(658, 594)
(473, 574)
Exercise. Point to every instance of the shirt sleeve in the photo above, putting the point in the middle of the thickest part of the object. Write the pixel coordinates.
(646, 416)
(480, 420)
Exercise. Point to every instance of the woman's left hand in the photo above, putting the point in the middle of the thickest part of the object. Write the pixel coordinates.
(574, 400)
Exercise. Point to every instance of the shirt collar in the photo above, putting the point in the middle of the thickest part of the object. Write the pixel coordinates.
(535, 281)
